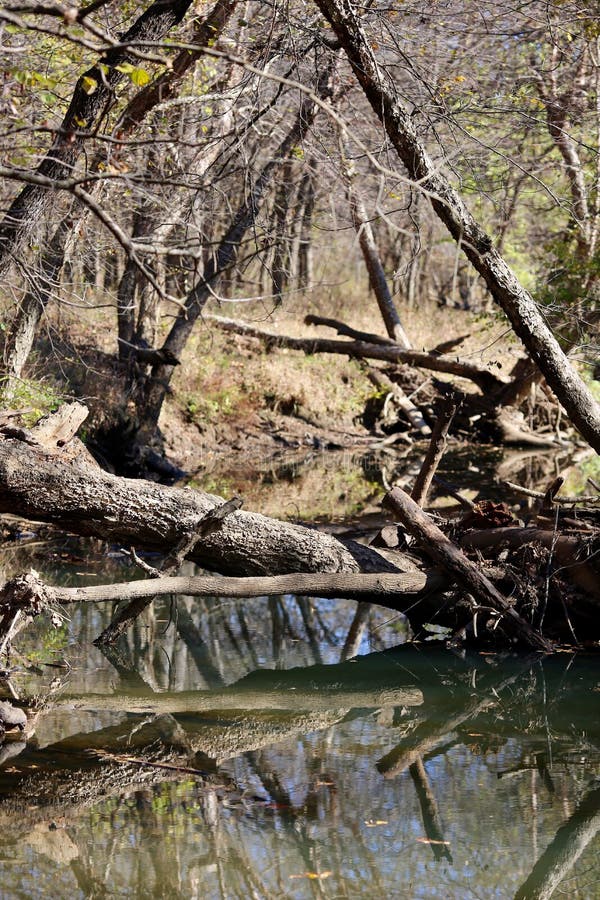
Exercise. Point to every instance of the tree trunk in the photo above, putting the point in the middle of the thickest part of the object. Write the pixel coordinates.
(48, 486)
(31, 308)
(526, 319)
(32, 202)
(223, 259)
(25, 325)
(370, 252)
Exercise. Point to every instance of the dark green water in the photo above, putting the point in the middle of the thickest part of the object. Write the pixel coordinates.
(408, 773)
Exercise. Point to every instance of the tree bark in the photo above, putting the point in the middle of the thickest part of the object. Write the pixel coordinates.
(86, 106)
(51, 487)
(388, 589)
(526, 319)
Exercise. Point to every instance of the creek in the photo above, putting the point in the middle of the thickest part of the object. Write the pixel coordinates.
(291, 748)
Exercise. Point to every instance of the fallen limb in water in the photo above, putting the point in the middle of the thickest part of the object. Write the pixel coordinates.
(54, 485)
(384, 587)
(441, 549)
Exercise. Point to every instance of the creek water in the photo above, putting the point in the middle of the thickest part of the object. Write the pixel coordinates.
(231, 749)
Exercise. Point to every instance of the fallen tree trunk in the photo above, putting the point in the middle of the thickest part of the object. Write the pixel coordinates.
(47, 486)
(356, 349)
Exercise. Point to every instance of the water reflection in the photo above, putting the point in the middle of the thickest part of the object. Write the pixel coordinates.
(326, 485)
(235, 753)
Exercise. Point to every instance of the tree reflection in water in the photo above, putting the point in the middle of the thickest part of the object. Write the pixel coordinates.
(236, 754)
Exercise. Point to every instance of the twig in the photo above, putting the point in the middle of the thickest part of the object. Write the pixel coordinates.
(452, 491)
(540, 495)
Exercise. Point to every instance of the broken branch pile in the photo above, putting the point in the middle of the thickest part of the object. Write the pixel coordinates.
(488, 409)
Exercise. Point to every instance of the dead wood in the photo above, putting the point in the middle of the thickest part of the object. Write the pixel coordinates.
(347, 331)
(453, 491)
(209, 523)
(484, 379)
(435, 452)
(412, 412)
(389, 589)
(578, 562)
(48, 486)
(514, 430)
(452, 560)
(540, 495)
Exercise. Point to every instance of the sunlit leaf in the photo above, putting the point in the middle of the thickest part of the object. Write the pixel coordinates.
(320, 876)
(88, 84)
(139, 77)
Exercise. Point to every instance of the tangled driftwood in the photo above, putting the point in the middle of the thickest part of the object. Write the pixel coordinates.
(45, 476)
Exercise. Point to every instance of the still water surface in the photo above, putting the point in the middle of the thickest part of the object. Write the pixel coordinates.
(294, 748)
(410, 772)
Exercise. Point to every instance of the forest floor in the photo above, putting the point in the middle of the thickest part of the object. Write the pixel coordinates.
(231, 395)
(282, 428)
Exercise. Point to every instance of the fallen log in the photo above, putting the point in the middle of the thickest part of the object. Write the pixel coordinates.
(389, 589)
(46, 486)
(355, 349)
(24, 597)
(452, 560)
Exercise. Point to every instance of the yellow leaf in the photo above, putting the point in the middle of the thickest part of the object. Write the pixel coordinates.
(139, 77)
(89, 84)
(313, 875)
(372, 823)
